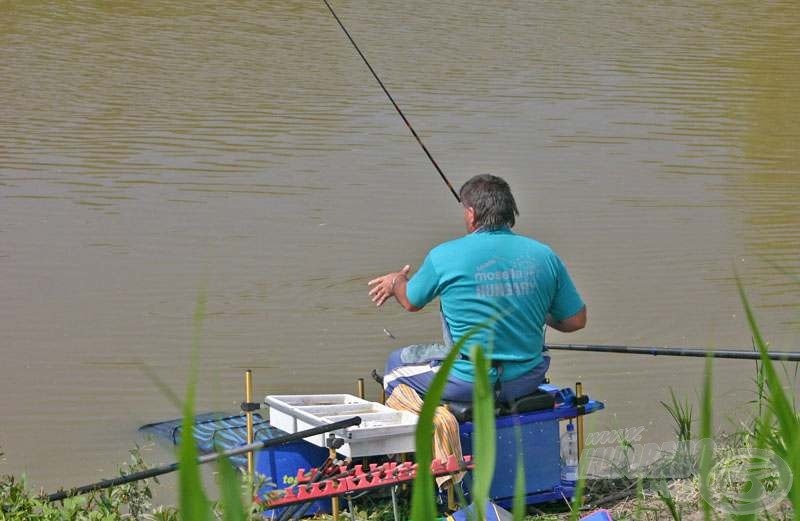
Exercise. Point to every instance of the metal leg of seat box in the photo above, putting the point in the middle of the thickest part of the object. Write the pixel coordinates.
(394, 504)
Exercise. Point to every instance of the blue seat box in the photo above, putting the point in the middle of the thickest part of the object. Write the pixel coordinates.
(280, 464)
(539, 451)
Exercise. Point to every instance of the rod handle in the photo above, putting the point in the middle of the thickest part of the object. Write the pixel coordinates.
(579, 419)
(248, 398)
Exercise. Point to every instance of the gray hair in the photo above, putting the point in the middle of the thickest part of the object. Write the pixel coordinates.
(492, 200)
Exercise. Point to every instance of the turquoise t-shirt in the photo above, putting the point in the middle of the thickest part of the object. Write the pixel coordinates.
(501, 279)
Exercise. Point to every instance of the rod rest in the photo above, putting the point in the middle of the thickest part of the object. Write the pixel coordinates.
(537, 401)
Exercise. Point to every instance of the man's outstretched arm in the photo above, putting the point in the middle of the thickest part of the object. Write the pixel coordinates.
(570, 324)
(392, 285)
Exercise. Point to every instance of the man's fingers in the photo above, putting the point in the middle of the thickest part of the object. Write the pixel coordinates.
(378, 292)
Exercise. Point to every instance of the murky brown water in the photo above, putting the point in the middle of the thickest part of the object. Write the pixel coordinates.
(152, 152)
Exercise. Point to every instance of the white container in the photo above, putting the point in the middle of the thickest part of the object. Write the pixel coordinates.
(383, 430)
(569, 454)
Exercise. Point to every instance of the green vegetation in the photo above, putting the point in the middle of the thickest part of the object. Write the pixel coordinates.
(743, 476)
(130, 501)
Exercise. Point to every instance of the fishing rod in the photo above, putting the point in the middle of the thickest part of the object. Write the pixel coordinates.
(735, 354)
(165, 469)
(691, 352)
(397, 108)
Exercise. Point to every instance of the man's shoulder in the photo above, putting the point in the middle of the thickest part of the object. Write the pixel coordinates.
(542, 247)
(443, 254)
(531, 245)
(459, 242)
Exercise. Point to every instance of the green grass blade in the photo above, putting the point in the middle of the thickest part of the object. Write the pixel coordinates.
(706, 449)
(423, 503)
(664, 494)
(781, 404)
(782, 270)
(793, 460)
(682, 414)
(786, 442)
(640, 509)
(161, 385)
(230, 488)
(518, 506)
(577, 496)
(484, 436)
(193, 502)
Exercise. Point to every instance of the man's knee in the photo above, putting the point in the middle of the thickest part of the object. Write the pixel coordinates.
(393, 360)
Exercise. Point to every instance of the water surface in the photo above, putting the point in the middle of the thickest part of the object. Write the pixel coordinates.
(153, 153)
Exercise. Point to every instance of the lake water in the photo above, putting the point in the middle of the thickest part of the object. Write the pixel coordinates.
(152, 153)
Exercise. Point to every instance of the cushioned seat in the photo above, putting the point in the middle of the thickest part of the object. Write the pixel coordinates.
(538, 401)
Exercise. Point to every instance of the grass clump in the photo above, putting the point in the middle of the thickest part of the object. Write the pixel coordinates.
(132, 501)
(750, 474)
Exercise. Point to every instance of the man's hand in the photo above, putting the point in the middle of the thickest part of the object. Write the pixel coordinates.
(387, 285)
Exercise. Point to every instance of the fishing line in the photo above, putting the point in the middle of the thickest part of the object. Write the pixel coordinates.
(690, 352)
(397, 108)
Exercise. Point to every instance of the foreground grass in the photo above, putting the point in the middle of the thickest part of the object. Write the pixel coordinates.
(751, 487)
(629, 496)
(126, 502)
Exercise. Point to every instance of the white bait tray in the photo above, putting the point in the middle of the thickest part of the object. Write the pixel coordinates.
(383, 430)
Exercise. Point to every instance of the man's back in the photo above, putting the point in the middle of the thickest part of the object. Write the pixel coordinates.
(505, 284)
(499, 287)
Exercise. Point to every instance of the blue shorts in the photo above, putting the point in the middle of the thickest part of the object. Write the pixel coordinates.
(416, 365)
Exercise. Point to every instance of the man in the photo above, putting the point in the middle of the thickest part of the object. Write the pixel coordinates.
(507, 285)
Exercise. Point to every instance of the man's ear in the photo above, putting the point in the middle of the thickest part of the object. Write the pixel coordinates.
(471, 216)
